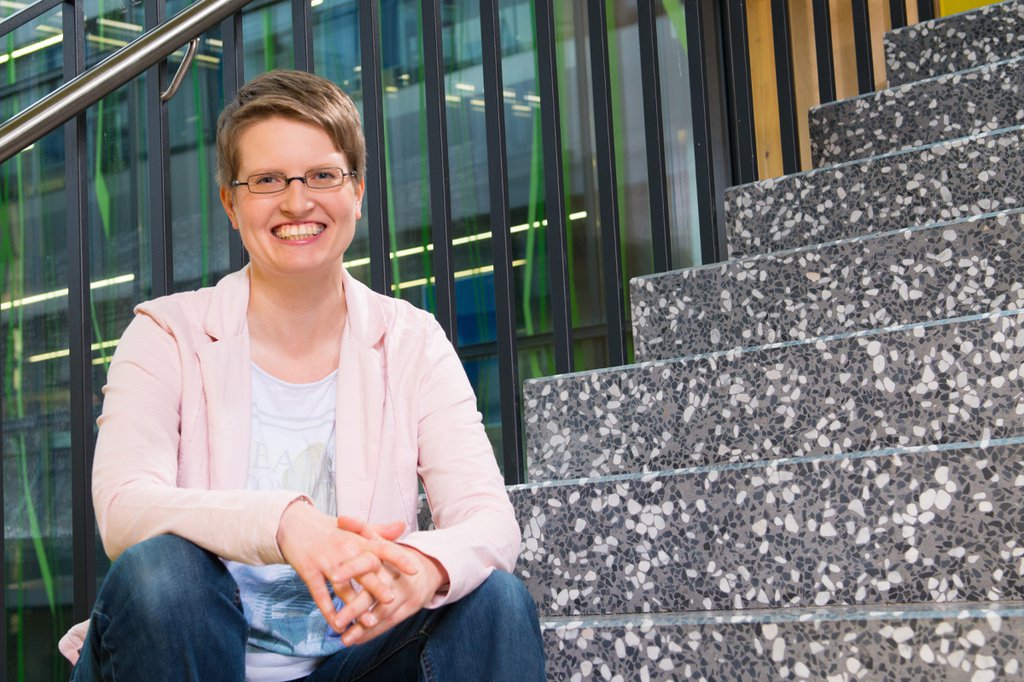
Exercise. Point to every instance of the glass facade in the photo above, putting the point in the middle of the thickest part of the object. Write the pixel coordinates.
(38, 564)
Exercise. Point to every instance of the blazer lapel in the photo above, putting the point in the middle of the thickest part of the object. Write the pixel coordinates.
(227, 381)
(362, 396)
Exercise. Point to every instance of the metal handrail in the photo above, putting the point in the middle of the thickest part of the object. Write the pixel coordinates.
(78, 94)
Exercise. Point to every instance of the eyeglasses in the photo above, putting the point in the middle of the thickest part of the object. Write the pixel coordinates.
(318, 178)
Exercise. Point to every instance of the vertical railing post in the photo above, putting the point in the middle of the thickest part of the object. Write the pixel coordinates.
(823, 50)
(741, 100)
(376, 159)
(302, 34)
(898, 13)
(607, 182)
(234, 77)
(787, 91)
(440, 174)
(554, 186)
(710, 140)
(862, 46)
(925, 10)
(654, 126)
(159, 167)
(501, 245)
(79, 329)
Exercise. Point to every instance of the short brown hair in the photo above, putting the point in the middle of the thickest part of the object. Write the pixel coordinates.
(294, 95)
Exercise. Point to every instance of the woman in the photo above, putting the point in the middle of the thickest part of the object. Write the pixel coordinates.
(262, 442)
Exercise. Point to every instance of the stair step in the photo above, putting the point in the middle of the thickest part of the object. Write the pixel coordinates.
(973, 643)
(903, 526)
(880, 280)
(940, 182)
(991, 34)
(945, 107)
(934, 382)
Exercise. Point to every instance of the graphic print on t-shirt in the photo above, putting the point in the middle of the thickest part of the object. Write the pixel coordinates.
(292, 449)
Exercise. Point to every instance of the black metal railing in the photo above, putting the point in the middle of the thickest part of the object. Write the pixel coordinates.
(786, 74)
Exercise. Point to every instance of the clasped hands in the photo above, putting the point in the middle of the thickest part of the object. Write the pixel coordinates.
(397, 581)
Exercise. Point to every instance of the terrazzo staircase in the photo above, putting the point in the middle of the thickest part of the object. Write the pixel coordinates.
(816, 468)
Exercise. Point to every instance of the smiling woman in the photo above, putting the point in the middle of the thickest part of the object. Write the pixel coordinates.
(298, 232)
(267, 437)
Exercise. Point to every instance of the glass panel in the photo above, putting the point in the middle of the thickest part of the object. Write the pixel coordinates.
(199, 228)
(118, 220)
(33, 323)
(405, 124)
(469, 190)
(677, 118)
(583, 236)
(337, 56)
(109, 27)
(267, 36)
(525, 153)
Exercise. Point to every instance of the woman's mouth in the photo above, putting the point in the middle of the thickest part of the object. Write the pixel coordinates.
(295, 231)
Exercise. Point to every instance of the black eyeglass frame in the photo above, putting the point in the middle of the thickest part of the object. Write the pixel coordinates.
(304, 179)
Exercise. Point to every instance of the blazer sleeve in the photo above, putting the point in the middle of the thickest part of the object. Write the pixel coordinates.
(135, 469)
(476, 530)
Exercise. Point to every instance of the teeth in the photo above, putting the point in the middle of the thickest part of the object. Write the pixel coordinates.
(298, 231)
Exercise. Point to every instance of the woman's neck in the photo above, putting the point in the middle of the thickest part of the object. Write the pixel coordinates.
(295, 325)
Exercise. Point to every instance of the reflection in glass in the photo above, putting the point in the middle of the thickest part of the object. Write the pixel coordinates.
(337, 56)
(677, 117)
(267, 36)
(33, 322)
(199, 229)
(405, 131)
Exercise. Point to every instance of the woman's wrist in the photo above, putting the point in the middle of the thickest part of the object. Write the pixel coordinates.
(435, 572)
(299, 503)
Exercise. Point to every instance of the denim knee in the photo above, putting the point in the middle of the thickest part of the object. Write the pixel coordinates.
(505, 595)
(166, 579)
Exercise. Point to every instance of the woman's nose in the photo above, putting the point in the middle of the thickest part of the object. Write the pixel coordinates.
(296, 195)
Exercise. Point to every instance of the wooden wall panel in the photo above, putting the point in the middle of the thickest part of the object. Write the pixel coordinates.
(763, 89)
(805, 62)
(762, 68)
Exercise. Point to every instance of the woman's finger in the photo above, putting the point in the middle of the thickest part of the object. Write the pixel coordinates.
(387, 531)
(367, 562)
(398, 556)
(356, 608)
(321, 597)
(364, 569)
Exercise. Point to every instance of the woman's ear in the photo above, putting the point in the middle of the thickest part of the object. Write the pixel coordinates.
(360, 190)
(227, 200)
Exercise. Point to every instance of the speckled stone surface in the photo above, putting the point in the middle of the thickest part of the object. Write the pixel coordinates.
(978, 644)
(823, 502)
(989, 34)
(925, 273)
(942, 182)
(909, 527)
(927, 383)
(941, 108)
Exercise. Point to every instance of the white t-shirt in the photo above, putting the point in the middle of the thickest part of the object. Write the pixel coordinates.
(292, 449)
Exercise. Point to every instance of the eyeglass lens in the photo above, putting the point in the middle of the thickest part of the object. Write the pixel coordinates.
(320, 178)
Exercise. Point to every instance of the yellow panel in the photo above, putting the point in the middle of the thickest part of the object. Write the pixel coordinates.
(947, 7)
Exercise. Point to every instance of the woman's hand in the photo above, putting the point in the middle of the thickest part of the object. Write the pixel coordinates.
(321, 553)
(411, 591)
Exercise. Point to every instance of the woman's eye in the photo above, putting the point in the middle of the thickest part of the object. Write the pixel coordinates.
(325, 174)
(266, 180)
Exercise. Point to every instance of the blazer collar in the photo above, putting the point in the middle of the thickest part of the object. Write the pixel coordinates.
(361, 411)
(226, 314)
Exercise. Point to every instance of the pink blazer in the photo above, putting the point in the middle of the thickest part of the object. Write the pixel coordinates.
(173, 449)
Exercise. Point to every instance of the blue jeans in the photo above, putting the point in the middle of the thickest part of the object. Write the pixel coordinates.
(169, 610)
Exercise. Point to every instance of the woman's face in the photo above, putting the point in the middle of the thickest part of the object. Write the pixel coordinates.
(298, 231)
